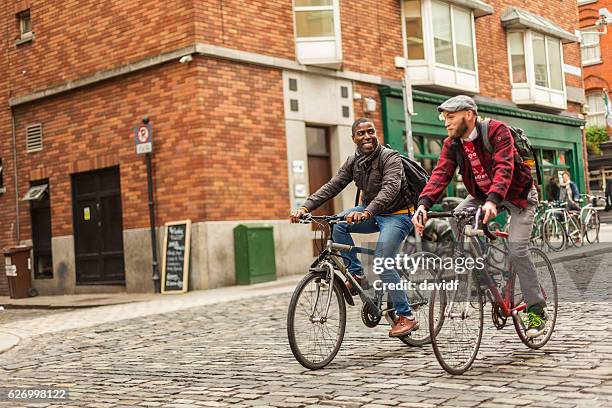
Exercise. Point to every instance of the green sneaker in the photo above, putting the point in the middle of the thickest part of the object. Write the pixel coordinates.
(537, 323)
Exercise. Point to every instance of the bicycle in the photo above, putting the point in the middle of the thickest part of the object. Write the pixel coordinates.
(458, 312)
(562, 226)
(589, 219)
(316, 318)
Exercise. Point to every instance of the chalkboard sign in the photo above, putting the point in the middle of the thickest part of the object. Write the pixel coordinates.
(175, 264)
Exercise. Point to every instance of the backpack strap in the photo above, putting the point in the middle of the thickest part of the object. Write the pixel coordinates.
(483, 127)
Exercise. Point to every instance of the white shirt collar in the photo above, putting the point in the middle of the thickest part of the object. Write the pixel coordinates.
(472, 136)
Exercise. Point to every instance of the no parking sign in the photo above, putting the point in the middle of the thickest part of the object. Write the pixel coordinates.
(143, 137)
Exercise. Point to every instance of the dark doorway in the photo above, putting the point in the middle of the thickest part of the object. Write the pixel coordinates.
(319, 168)
(40, 216)
(98, 227)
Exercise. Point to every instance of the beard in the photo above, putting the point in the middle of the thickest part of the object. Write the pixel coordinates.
(461, 130)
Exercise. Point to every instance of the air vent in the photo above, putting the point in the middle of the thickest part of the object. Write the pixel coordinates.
(34, 138)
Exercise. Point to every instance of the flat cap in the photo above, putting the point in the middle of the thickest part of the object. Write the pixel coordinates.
(458, 103)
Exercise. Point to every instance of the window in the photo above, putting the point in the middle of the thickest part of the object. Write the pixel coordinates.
(1, 175)
(443, 38)
(440, 43)
(516, 44)
(414, 30)
(317, 31)
(25, 25)
(452, 31)
(314, 18)
(591, 52)
(539, 60)
(596, 115)
(546, 55)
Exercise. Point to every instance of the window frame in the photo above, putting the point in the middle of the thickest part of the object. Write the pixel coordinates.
(429, 63)
(591, 114)
(336, 38)
(21, 17)
(530, 63)
(596, 45)
(332, 7)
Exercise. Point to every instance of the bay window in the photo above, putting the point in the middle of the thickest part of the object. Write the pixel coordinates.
(535, 59)
(317, 32)
(440, 45)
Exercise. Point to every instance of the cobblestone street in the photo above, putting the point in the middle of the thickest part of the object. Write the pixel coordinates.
(237, 354)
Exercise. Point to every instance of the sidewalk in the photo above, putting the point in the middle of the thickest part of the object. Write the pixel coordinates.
(12, 333)
(74, 301)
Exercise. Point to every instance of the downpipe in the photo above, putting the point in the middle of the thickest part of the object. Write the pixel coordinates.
(15, 178)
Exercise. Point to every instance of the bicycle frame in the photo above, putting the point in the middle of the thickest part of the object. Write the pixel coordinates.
(331, 252)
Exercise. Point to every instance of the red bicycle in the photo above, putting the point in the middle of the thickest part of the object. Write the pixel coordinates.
(458, 298)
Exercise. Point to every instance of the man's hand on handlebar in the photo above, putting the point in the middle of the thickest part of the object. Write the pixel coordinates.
(419, 219)
(298, 214)
(489, 209)
(357, 216)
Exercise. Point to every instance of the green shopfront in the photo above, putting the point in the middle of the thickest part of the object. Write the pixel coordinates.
(557, 139)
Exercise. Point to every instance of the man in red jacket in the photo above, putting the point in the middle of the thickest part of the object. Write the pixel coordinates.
(492, 179)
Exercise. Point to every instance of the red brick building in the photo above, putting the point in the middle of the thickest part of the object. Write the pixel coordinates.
(595, 17)
(251, 105)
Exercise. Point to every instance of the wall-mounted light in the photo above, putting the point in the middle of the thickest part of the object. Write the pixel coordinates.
(369, 105)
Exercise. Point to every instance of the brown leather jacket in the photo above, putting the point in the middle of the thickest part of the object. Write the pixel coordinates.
(382, 184)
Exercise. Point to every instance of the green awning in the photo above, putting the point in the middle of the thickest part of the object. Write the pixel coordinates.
(515, 17)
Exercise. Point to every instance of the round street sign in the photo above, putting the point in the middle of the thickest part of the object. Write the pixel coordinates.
(143, 134)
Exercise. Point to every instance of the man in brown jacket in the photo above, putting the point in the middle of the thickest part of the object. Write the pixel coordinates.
(378, 172)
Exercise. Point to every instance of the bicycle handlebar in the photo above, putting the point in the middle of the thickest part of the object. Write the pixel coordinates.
(479, 228)
(331, 219)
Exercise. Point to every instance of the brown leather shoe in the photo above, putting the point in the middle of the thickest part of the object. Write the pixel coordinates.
(403, 326)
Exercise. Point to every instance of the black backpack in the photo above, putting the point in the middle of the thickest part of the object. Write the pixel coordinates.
(416, 178)
(526, 152)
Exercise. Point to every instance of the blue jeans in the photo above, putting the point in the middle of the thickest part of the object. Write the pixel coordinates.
(393, 229)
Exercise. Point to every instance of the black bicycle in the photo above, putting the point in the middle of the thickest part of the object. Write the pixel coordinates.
(316, 319)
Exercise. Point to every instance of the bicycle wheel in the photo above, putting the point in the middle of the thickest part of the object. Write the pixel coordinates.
(554, 234)
(574, 232)
(548, 285)
(592, 226)
(314, 335)
(459, 315)
(419, 300)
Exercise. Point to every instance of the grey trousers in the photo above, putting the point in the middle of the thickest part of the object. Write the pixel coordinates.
(520, 227)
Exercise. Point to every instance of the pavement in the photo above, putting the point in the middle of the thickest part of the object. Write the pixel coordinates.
(228, 347)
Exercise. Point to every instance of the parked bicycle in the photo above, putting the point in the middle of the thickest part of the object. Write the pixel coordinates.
(456, 315)
(563, 227)
(316, 319)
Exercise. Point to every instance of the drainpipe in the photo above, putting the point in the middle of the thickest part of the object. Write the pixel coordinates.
(15, 178)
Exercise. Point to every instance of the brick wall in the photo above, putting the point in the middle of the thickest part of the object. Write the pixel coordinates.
(73, 38)
(261, 26)
(599, 76)
(7, 199)
(211, 126)
(493, 51)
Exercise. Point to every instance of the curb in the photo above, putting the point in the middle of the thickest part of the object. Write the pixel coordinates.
(578, 255)
(60, 307)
